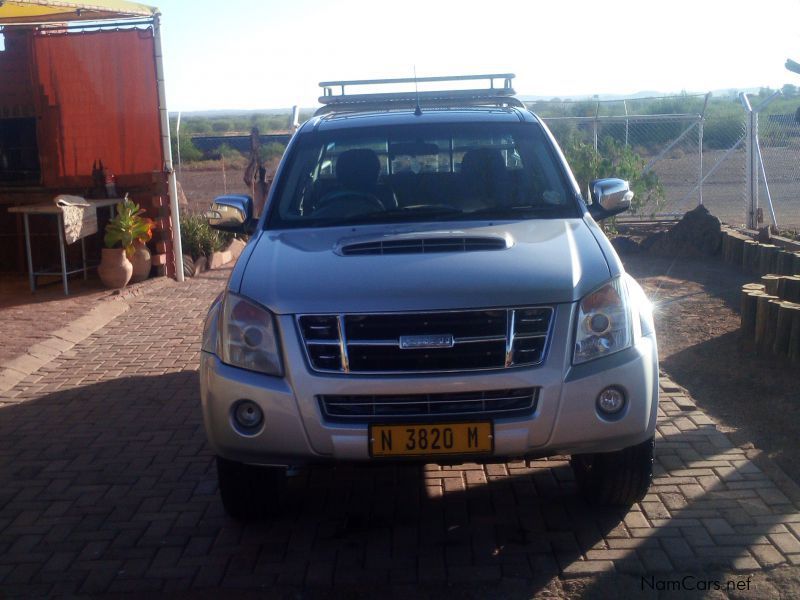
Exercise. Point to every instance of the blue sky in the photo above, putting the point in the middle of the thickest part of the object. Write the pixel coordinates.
(271, 54)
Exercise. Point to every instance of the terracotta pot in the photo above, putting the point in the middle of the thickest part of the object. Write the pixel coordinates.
(141, 263)
(115, 269)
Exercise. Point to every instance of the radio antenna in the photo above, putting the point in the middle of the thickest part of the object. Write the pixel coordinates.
(418, 109)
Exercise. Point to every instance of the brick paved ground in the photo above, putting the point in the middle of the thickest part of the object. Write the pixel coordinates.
(106, 485)
(28, 318)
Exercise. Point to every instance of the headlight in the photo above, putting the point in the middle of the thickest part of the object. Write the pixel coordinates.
(247, 337)
(210, 337)
(604, 323)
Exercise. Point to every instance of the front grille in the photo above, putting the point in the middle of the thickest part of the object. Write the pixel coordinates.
(486, 404)
(413, 342)
(425, 245)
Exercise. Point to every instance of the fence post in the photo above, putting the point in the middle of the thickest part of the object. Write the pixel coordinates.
(751, 136)
(595, 124)
(700, 124)
(625, 106)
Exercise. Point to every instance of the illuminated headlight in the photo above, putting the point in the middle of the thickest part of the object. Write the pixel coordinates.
(247, 337)
(604, 323)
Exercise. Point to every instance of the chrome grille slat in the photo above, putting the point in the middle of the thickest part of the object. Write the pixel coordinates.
(481, 404)
(482, 339)
(376, 401)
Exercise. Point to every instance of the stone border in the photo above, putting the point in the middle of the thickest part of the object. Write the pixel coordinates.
(107, 309)
(231, 253)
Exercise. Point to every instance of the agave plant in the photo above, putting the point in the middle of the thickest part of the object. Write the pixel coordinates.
(128, 227)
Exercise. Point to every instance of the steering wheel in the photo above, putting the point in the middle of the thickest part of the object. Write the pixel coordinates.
(349, 202)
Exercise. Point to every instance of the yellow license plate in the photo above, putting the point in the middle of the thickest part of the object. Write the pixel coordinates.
(430, 440)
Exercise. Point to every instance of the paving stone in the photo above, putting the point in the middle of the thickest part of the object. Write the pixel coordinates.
(785, 542)
(767, 556)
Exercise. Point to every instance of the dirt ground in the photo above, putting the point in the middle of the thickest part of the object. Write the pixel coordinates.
(202, 186)
(697, 320)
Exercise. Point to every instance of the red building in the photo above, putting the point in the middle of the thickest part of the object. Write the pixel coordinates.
(82, 83)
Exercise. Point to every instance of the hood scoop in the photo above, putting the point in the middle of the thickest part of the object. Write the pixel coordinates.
(425, 245)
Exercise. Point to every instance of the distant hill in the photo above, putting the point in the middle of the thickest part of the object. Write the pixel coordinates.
(636, 95)
(235, 112)
(524, 97)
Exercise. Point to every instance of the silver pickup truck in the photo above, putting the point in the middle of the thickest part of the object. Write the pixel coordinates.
(428, 284)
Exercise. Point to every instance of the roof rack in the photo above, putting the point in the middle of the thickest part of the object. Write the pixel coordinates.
(502, 95)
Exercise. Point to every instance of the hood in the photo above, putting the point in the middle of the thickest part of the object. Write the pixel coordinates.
(306, 271)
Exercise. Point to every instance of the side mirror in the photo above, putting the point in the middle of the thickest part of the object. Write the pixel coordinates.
(233, 214)
(609, 197)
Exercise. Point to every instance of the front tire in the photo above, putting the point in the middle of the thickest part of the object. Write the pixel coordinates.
(619, 478)
(250, 492)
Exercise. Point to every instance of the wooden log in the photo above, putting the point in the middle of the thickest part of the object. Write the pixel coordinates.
(726, 245)
(783, 328)
(750, 256)
(770, 284)
(736, 248)
(762, 316)
(771, 327)
(785, 263)
(794, 338)
(767, 258)
(781, 291)
(792, 289)
(748, 313)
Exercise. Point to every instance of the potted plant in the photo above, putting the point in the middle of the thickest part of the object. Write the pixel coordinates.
(127, 229)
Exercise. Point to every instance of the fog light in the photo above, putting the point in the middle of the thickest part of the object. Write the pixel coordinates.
(610, 401)
(247, 414)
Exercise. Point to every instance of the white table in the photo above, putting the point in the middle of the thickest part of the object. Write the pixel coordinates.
(50, 208)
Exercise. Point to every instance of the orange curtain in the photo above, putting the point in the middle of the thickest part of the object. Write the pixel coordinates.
(99, 102)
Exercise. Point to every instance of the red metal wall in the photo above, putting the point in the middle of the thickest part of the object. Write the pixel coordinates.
(96, 98)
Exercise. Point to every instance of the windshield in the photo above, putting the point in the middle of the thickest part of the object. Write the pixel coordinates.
(421, 173)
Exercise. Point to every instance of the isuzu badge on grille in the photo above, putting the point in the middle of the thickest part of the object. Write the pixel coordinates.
(417, 342)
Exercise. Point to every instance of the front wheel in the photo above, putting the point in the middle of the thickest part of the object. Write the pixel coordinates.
(619, 478)
(250, 492)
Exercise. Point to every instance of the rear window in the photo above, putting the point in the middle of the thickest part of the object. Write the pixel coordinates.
(421, 173)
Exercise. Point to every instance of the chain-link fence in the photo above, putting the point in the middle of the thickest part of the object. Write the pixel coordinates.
(677, 151)
(656, 143)
(776, 149)
(741, 162)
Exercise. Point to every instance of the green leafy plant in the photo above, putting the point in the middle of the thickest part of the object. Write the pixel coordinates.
(128, 227)
(614, 159)
(199, 239)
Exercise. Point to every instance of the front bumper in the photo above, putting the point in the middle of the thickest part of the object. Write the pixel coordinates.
(565, 421)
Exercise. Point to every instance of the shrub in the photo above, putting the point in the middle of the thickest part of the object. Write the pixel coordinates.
(614, 159)
(228, 153)
(199, 239)
(221, 126)
(271, 151)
